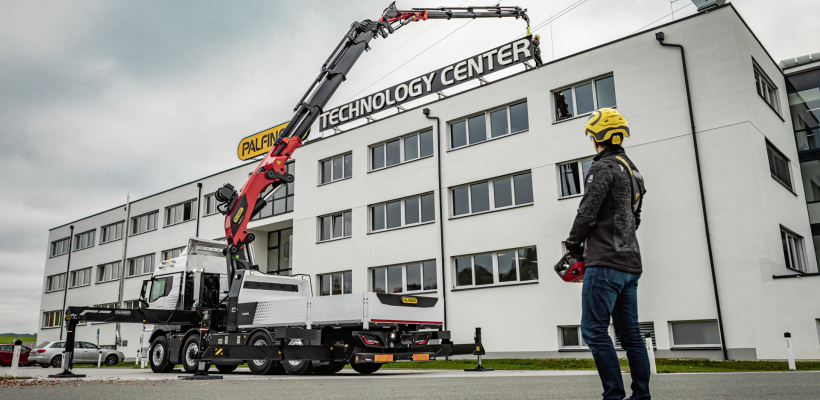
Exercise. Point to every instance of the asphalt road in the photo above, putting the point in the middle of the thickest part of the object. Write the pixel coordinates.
(426, 384)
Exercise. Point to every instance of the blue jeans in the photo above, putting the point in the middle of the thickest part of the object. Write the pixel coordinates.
(609, 292)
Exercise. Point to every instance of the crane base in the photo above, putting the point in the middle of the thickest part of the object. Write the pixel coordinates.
(67, 374)
(198, 377)
(479, 369)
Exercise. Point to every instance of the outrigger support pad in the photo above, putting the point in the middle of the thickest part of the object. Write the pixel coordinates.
(478, 352)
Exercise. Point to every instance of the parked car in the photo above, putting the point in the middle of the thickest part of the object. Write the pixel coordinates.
(51, 354)
(7, 355)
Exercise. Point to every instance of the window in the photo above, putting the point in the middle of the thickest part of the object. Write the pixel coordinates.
(280, 247)
(584, 98)
(210, 204)
(336, 168)
(52, 319)
(489, 125)
(695, 334)
(84, 240)
(181, 212)
(60, 247)
(110, 233)
(106, 305)
(779, 166)
(80, 277)
(335, 284)
(503, 267)
(765, 88)
(571, 337)
(405, 212)
(160, 288)
(793, 250)
(55, 282)
(141, 265)
(282, 201)
(499, 193)
(131, 304)
(108, 272)
(405, 278)
(144, 223)
(572, 176)
(401, 150)
(173, 253)
(803, 92)
(335, 226)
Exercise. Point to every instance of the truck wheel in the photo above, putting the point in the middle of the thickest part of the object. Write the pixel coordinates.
(297, 367)
(158, 356)
(263, 367)
(189, 355)
(365, 369)
(227, 368)
(330, 369)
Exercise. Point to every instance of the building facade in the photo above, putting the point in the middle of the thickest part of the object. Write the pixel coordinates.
(472, 203)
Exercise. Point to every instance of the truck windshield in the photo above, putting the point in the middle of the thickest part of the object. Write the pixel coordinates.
(157, 290)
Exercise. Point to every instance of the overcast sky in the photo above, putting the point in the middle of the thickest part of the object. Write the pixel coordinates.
(103, 98)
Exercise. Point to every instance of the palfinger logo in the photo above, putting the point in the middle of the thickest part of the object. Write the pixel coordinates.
(238, 215)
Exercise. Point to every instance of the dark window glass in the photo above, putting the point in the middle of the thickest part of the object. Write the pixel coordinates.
(411, 211)
(348, 165)
(569, 336)
(327, 168)
(502, 189)
(583, 99)
(393, 152)
(464, 271)
(585, 167)
(378, 279)
(325, 234)
(519, 120)
(324, 285)
(413, 277)
(785, 242)
(393, 214)
(605, 90)
(458, 134)
(377, 157)
(428, 208)
(461, 203)
(348, 217)
(484, 269)
(498, 123)
(348, 282)
(430, 275)
(378, 217)
(563, 105)
(337, 283)
(338, 172)
(695, 333)
(506, 267)
(779, 166)
(478, 129)
(426, 143)
(528, 264)
(411, 148)
(523, 188)
(480, 197)
(394, 279)
(338, 226)
(570, 180)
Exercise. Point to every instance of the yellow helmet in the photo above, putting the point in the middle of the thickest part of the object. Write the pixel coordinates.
(537, 37)
(606, 124)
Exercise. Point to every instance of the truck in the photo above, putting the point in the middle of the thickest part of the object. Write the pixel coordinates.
(213, 306)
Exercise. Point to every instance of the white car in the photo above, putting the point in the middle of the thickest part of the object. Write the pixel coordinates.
(51, 354)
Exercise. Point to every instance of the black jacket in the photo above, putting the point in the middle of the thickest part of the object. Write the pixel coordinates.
(605, 220)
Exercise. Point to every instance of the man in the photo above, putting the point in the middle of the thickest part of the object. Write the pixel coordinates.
(536, 44)
(604, 232)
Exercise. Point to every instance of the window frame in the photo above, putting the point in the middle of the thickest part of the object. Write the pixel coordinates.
(496, 281)
(491, 194)
(173, 207)
(770, 92)
(77, 271)
(105, 227)
(773, 152)
(560, 181)
(126, 267)
(403, 266)
(402, 211)
(331, 159)
(101, 271)
(674, 346)
(147, 215)
(487, 125)
(796, 240)
(49, 280)
(205, 199)
(280, 248)
(402, 159)
(330, 275)
(54, 247)
(573, 86)
(125, 304)
(162, 253)
(332, 226)
(90, 238)
(582, 346)
(58, 318)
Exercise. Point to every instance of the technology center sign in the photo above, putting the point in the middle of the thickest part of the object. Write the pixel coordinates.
(513, 53)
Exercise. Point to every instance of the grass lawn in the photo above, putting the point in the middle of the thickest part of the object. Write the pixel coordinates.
(25, 339)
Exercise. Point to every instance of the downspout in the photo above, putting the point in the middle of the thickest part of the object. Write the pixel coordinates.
(441, 215)
(118, 337)
(660, 37)
(198, 205)
(67, 266)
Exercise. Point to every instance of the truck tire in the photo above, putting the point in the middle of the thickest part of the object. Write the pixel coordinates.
(329, 369)
(158, 356)
(263, 367)
(297, 367)
(189, 354)
(365, 369)
(226, 368)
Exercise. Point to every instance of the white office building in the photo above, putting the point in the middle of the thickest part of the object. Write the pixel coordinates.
(473, 207)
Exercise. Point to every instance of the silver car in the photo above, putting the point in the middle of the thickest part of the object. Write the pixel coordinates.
(51, 354)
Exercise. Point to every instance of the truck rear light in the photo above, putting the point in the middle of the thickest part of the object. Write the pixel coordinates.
(421, 341)
(370, 340)
(41, 350)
